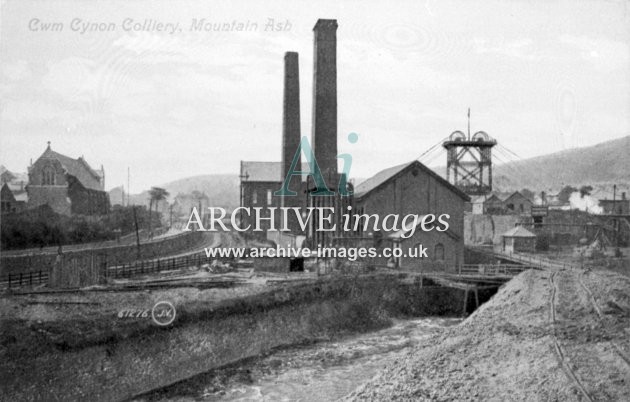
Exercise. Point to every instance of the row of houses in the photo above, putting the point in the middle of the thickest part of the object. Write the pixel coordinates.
(501, 204)
(516, 203)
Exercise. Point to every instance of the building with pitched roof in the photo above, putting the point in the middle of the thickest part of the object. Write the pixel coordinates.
(413, 188)
(13, 191)
(259, 180)
(518, 239)
(67, 185)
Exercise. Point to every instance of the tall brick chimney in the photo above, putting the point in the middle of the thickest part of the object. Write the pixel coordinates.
(291, 138)
(291, 117)
(324, 136)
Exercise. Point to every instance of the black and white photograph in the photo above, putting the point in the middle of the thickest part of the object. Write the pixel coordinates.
(339, 200)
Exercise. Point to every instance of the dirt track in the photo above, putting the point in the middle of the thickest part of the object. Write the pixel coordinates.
(561, 335)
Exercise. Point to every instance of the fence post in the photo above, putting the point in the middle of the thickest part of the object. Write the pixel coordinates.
(20, 282)
(30, 278)
(9, 281)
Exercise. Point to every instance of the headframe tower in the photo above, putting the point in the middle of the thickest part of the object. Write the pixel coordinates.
(469, 161)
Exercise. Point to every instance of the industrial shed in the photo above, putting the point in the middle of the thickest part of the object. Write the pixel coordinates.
(519, 239)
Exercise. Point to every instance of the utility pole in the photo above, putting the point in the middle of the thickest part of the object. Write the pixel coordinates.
(243, 176)
(614, 208)
(135, 219)
(128, 188)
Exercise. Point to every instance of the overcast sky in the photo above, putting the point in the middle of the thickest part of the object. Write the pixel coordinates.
(539, 76)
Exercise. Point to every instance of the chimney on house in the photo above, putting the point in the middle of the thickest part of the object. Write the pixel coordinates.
(325, 99)
(291, 118)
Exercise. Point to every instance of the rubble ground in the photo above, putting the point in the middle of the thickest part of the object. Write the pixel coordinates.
(546, 335)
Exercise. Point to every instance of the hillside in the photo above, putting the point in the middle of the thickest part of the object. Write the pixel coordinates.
(599, 165)
(221, 189)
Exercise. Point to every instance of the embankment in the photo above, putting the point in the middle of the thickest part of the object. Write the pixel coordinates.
(112, 365)
(111, 255)
(544, 336)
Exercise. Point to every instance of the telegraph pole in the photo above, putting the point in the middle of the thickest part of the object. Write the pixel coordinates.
(128, 188)
(135, 219)
(243, 176)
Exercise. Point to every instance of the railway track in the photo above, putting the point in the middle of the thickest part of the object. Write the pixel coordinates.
(600, 314)
(560, 354)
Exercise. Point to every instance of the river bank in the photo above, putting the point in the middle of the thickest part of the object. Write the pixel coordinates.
(75, 346)
(544, 336)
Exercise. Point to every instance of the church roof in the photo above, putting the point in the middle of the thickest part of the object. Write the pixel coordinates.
(78, 168)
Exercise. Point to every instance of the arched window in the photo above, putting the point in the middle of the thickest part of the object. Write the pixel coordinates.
(438, 253)
(48, 176)
(255, 197)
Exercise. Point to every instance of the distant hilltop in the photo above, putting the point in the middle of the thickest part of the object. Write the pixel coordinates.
(600, 165)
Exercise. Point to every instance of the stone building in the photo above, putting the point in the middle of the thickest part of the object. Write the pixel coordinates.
(259, 180)
(413, 188)
(616, 205)
(517, 203)
(67, 185)
(518, 239)
(10, 202)
(13, 191)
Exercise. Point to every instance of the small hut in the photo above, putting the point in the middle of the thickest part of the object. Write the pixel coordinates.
(519, 239)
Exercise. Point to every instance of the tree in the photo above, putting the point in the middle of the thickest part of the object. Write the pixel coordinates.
(529, 194)
(565, 193)
(585, 190)
(156, 194)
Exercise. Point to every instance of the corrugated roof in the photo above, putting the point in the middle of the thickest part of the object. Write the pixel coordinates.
(383, 176)
(518, 231)
(78, 168)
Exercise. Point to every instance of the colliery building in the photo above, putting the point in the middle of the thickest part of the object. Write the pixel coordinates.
(410, 188)
(413, 188)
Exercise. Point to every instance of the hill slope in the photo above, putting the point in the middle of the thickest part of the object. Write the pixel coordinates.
(599, 165)
(602, 164)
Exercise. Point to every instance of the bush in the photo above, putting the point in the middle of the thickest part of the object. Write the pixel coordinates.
(42, 227)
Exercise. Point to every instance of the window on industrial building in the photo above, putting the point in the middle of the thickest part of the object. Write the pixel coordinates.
(439, 252)
(255, 198)
(268, 197)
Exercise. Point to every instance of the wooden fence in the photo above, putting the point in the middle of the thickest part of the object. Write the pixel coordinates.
(158, 265)
(495, 269)
(23, 279)
(33, 278)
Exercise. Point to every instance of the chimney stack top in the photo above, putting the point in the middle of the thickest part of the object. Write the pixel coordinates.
(325, 24)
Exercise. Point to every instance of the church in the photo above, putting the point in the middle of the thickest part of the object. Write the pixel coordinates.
(69, 186)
